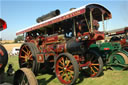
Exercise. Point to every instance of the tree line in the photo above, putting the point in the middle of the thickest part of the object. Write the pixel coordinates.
(19, 39)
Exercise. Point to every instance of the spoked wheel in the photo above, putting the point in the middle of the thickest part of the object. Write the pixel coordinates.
(24, 76)
(95, 64)
(3, 62)
(3, 57)
(27, 57)
(118, 60)
(67, 69)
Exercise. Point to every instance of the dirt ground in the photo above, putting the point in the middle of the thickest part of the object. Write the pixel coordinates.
(9, 47)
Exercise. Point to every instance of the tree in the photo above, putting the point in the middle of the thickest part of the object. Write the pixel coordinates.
(19, 38)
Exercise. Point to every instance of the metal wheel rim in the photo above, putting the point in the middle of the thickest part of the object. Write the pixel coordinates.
(24, 80)
(25, 57)
(64, 70)
(94, 65)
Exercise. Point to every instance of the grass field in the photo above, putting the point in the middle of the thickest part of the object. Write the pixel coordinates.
(108, 78)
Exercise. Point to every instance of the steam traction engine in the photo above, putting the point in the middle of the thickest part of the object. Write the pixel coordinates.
(121, 37)
(3, 53)
(61, 43)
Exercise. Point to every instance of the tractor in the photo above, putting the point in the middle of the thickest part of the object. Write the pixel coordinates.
(120, 36)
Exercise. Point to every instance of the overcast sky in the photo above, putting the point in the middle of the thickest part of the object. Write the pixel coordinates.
(20, 14)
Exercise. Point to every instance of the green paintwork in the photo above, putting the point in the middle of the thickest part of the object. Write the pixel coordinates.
(111, 46)
(110, 56)
(116, 59)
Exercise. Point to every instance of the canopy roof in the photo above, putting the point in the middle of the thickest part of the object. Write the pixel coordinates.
(3, 24)
(118, 31)
(79, 11)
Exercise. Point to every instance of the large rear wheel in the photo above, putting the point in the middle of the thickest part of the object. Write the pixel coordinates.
(67, 69)
(24, 76)
(27, 57)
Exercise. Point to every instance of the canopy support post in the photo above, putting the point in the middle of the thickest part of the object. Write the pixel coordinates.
(91, 18)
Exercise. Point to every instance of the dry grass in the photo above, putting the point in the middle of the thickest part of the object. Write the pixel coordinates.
(10, 46)
(7, 41)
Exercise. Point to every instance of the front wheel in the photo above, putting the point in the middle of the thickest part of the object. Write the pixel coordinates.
(67, 68)
(95, 64)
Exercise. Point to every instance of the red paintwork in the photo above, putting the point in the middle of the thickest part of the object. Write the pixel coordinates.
(77, 57)
(96, 36)
(126, 28)
(120, 32)
(1, 52)
(122, 41)
(60, 48)
(85, 64)
(0, 65)
(40, 58)
(106, 48)
(3, 24)
(51, 39)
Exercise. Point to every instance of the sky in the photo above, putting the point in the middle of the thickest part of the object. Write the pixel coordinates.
(20, 14)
